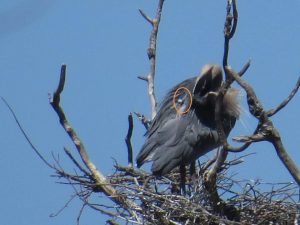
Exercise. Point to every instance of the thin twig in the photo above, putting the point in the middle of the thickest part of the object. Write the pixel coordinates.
(69, 154)
(146, 17)
(64, 207)
(25, 135)
(286, 101)
(80, 213)
(111, 222)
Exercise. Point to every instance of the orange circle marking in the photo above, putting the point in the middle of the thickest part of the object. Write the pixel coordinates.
(174, 100)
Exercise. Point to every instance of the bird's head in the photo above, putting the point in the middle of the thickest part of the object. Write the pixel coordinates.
(206, 90)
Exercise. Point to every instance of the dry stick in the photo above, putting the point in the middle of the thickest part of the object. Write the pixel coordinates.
(100, 180)
(152, 56)
(267, 131)
(128, 139)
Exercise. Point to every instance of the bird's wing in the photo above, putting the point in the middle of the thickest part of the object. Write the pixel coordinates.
(166, 108)
(165, 121)
(188, 140)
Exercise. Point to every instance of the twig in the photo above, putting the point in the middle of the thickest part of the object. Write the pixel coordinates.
(80, 213)
(25, 135)
(143, 119)
(245, 68)
(64, 207)
(244, 146)
(128, 139)
(69, 154)
(152, 55)
(286, 101)
(111, 222)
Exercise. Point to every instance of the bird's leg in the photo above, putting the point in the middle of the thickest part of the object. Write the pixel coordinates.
(194, 177)
(182, 179)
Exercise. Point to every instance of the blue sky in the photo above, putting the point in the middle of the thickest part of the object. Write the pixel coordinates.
(104, 46)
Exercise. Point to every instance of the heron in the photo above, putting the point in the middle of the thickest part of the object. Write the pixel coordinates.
(184, 127)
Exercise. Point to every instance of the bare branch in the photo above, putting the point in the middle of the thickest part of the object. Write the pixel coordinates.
(143, 78)
(64, 207)
(146, 17)
(25, 135)
(245, 68)
(143, 119)
(284, 157)
(69, 154)
(55, 103)
(111, 222)
(100, 180)
(152, 55)
(266, 130)
(229, 28)
(80, 213)
(286, 101)
(255, 107)
(128, 139)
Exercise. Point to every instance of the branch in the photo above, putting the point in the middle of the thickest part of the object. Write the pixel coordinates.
(229, 28)
(211, 175)
(83, 170)
(152, 55)
(143, 119)
(25, 135)
(100, 180)
(229, 31)
(128, 139)
(286, 101)
(266, 130)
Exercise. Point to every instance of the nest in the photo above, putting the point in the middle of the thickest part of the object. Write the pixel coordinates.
(241, 202)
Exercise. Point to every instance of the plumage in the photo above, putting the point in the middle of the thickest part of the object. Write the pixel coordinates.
(178, 135)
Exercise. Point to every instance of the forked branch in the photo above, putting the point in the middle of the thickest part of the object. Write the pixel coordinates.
(266, 131)
(100, 181)
(152, 56)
